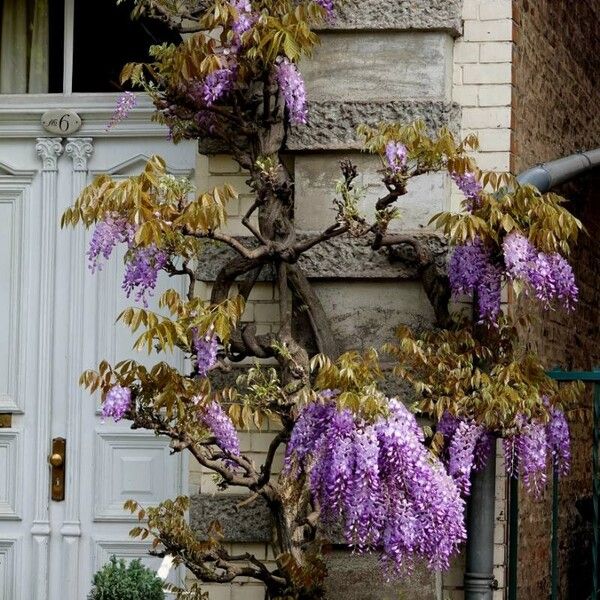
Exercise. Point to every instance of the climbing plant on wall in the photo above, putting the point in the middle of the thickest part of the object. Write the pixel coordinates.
(352, 454)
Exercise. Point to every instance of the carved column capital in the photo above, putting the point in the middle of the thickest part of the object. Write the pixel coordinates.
(80, 150)
(49, 150)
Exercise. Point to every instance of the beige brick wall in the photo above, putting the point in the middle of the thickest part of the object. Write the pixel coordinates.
(483, 79)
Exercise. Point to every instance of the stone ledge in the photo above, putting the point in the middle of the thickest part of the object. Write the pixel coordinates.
(332, 125)
(399, 15)
(339, 258)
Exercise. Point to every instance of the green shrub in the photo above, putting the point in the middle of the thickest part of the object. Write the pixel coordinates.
(119, 581)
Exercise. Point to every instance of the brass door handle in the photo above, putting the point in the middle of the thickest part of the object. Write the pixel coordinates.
(57, 462)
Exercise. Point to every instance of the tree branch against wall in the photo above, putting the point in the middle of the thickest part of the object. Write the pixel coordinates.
(352, 454)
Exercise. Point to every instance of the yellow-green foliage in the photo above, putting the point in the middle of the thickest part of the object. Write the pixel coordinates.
(355, 376)
(158, 204)
(494, 382)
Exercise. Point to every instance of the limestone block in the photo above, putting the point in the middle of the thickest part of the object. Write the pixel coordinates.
(353, 577)
(392, 14)
(315, 185)
(366, 314)
(332, 123)
(375, 66)
(250, 523)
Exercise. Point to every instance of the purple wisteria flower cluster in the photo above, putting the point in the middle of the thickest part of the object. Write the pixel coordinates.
(216, 420)
(117, 402)
(526, 453)
(245, 18)
(548, 277)
(470, 186)
(141, 271)
(381, 481)
(143, 265)
(205, 348)
(472, 271)
(329, 6)
(218, 84)
(396, 155)
(109, 232)
(293, 90)
(126, 102)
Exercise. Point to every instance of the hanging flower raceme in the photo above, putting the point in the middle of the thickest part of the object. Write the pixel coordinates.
(245, 18)
(216, 420)
(381, 481)
(471, 270)
(396, 155)
(109, 232)
(549, 276)
(117, 402)
(526, 453)
(125, 104)
(218, 84)
(328, 5)
(293, 90)
(141, 271)
(469, 185)
(205, 349)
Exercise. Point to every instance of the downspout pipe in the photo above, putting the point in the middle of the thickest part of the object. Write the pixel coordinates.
(548, 175)
(479, 581)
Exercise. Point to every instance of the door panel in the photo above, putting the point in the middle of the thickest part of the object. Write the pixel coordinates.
(56, 320)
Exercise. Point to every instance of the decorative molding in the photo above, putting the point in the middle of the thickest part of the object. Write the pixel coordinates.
(80, 150)
(10, 569)
(18, 175)
(393, 15)
(10, 471)
(338, 258)
(135, 164)
(21, 115)
(121, 454)
(15, 191)
(49, 150)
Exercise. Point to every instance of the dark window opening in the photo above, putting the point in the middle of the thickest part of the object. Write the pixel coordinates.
(31, 46)
(56, 22)
(105, 39)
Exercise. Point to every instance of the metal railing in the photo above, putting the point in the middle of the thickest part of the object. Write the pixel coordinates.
(592, 377)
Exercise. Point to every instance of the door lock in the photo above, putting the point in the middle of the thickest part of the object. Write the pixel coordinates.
(57, 475)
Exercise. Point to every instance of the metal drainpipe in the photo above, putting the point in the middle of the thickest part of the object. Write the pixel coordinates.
(553, 173)
(479, 572)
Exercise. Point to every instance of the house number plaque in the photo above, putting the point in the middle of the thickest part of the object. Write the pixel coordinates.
(61, 121)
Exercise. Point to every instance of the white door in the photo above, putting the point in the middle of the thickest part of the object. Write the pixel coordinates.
(56, 319)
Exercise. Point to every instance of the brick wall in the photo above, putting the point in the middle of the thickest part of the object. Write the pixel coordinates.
(555, 100)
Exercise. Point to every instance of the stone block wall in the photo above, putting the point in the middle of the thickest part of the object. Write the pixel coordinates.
(394, 60)
(555, 98)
